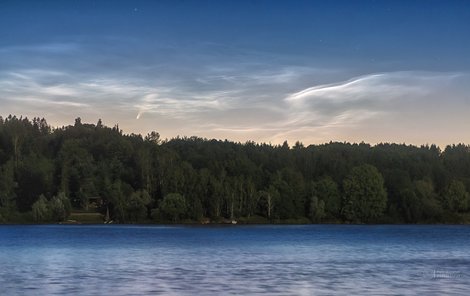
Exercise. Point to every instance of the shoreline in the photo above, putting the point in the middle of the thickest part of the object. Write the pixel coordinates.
(235, 225)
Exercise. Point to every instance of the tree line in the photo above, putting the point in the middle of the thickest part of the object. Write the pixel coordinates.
(46, 173)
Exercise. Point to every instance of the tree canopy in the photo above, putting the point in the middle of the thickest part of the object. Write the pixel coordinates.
(45, 173)
(365, 197)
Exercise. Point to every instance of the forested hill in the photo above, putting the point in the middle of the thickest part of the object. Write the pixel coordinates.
(46, 173)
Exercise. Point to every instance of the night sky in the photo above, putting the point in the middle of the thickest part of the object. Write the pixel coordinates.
(267, 71)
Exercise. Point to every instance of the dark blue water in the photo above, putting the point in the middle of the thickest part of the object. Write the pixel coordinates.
(243, 260)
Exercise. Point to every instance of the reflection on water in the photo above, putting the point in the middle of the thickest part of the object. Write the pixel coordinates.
(272, 260)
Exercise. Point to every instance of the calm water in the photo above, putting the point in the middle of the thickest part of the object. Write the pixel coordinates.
(272, 260)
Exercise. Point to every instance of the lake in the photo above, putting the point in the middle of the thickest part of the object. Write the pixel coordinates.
(242, 260)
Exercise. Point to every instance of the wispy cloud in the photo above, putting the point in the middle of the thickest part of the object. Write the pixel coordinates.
(378, 93)
(375, 107)
(376, 101)
(382, 86)
(50, 48)
(40, 101)
(244, 101)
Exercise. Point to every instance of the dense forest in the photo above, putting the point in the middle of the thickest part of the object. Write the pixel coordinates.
(47, 173)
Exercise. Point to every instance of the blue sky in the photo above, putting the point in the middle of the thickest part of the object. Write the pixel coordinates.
(268, 71)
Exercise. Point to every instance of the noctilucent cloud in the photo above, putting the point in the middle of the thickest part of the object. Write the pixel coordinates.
(267, 71)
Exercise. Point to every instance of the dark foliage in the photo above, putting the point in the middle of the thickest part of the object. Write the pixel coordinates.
(45, 171)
